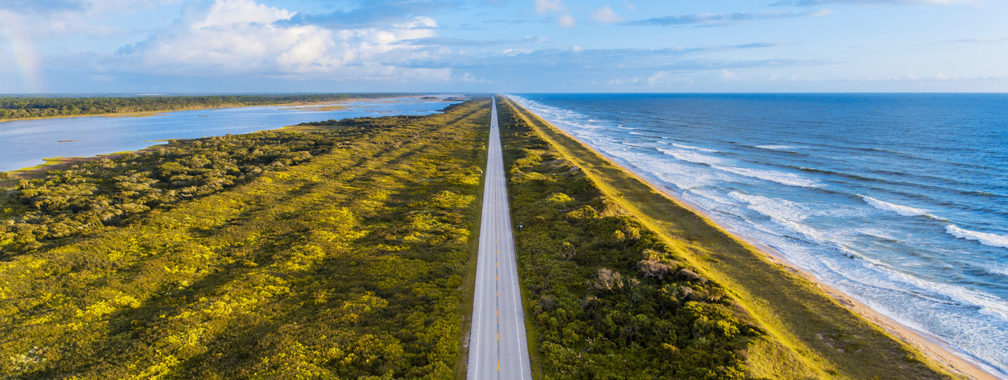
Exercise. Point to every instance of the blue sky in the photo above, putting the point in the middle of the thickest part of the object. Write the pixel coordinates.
(158, 46)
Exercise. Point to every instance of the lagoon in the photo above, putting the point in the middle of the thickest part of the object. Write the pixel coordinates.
(26, 143)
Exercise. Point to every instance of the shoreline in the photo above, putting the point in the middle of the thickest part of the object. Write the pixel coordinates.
(332, 103)
(161, 112)
(931, 346)
(59, 162)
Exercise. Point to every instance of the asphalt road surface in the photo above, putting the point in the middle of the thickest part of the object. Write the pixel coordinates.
(497, 345)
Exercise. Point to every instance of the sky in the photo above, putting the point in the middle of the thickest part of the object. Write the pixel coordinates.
(226, 46)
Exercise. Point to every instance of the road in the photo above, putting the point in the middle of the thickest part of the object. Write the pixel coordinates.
(497, 345)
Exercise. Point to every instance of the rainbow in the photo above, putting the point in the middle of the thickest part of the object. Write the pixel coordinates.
(25, 59)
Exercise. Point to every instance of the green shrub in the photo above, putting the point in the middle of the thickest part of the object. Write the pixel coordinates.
(346, 265)
(608, 298)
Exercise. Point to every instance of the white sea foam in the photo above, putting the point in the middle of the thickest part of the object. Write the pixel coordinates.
(878, 233)
(690, 147)
(681, 175)
(783, 178)
(713, 199)
(985, 303)
(899, 209)
(985, 238)
(786, 213)
(988, 303)
(694, 157)
(968, 319)
(998, 269)
(775, 147)
(638, 144)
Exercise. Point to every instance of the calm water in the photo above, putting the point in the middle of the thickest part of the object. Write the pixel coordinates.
(899, 200)
(26, 143)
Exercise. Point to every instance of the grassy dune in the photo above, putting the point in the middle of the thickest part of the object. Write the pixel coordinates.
(605, 296)
(348, 263)
(803, 332)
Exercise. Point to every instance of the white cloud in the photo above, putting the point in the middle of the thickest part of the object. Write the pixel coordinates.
(62, 22)
(566, 21)
(245, 37)
(939, 77)
(663, 79)
(72, 18)
(516, 52)
(546, 6)
(232, 12)
(606, 15)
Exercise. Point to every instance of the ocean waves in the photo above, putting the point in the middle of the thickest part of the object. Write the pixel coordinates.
(899, 209)
(691, 156)
(783, 212)
(783, 178)
(889, 214)
(985, 238)
(775, 147)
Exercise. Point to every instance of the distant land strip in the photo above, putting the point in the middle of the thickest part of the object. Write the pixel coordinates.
(40, 107)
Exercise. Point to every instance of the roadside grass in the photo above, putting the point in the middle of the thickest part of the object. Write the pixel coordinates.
(468, 289)
(604, 296)
(350, 263)
(531, 331)
(808, 334)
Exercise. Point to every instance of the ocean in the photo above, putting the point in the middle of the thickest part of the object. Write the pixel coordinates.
(899, 200)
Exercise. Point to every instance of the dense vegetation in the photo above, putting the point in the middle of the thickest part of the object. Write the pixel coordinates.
(342, 258)
(109, 191)
(22, 107)
(607, 298)
(802, 332)
(344, 250)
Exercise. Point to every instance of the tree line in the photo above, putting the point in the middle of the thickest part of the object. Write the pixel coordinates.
(22, 107)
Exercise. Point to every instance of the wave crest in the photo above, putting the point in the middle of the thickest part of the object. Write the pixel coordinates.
(783, 178)
(697, 158)
(775, 147)
(985, 238)
(690, 147)
(899, 209)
